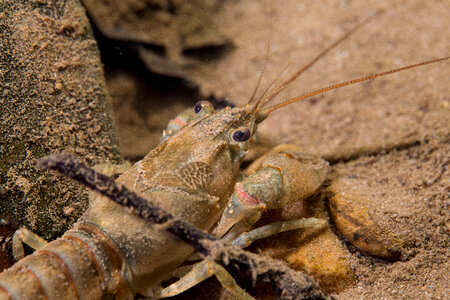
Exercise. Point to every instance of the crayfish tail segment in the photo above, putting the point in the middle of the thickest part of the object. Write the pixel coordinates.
(75, 266)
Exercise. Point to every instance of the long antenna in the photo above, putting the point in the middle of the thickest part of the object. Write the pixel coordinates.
(271, 84)
(268, 110)
(266, 59)
(319, 56)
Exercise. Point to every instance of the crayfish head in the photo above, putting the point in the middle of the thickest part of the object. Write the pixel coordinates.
(231, 128)
(204, 155)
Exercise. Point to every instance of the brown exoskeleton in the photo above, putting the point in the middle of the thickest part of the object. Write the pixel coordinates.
(110, 251)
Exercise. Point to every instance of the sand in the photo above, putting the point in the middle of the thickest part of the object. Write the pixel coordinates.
(389, 137)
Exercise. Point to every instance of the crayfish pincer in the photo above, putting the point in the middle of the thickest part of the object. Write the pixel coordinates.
(193, 175)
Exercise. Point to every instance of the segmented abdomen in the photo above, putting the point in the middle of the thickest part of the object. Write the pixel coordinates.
(72, 267)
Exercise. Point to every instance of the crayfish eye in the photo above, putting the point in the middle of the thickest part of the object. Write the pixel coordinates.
(241, 135)
(203, 106)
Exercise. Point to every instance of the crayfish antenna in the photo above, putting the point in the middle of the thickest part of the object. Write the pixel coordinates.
(258, 102)
(266, 59)
(263, 101)
(268, 110)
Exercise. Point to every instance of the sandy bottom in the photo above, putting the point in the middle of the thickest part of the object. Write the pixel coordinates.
(388, 137)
